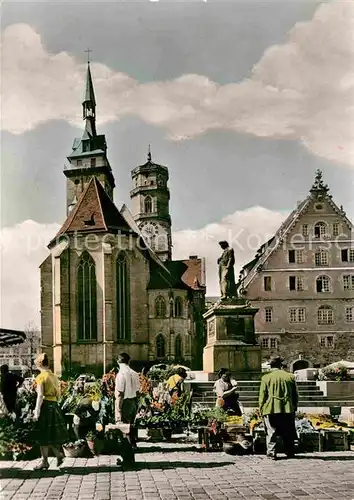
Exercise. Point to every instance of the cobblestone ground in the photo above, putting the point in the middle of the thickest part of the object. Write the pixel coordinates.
(180, 472)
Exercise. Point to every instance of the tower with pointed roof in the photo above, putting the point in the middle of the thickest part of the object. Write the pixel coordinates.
(150, 198)
(302, 282)
(89, 153)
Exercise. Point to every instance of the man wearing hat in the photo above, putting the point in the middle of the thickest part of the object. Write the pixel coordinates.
(278, 399)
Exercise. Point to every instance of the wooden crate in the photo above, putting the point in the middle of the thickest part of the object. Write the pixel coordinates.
(309, 441)
(334, 440)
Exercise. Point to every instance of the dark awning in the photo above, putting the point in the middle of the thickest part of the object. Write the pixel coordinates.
(11, 337)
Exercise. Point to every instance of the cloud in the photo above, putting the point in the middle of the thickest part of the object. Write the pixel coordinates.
(245, 231)
(24, 247)
(301, 90)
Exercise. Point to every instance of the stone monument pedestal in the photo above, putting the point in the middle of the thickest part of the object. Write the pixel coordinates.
(231, 339)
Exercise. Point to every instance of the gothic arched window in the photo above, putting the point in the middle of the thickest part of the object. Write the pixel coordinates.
(171, 303)
(160, 347)
(123, 297)
(325, 315)
(148, 205)
(323, 284)
(86, 299)
(178, 347)
(160, 307)
(178, 307)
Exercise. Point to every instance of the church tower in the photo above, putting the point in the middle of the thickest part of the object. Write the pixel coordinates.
(89, 155)
(150, 198)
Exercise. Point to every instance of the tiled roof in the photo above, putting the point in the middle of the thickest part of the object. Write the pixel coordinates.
(194, 273)
(94, 212)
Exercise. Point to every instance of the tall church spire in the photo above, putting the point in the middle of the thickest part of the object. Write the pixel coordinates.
(89, 105)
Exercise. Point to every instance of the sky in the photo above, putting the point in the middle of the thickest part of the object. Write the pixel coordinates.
(243, 101)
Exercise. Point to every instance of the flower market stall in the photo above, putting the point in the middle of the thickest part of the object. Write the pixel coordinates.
(89, 413)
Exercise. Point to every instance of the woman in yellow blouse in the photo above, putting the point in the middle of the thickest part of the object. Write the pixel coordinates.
(50, 428)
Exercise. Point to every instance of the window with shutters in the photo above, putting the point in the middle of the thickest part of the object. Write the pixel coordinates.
(349, 314)
(297, 315)
(320, 229)
(269, 343)
(347, 254)
(325, 315)
(323, 284)
(327, 341)
(299, 256)
(321, 258)
(348, 282)
(296, 283)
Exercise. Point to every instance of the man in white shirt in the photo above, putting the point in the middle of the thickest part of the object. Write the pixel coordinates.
(126, 392)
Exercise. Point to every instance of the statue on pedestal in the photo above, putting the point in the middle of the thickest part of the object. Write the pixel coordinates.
(226, 264)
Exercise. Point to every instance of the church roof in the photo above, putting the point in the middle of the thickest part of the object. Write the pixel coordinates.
(97, 146)
(182, 274)
(266, 250)
(94, 212)
(160, 279)
(89, 95)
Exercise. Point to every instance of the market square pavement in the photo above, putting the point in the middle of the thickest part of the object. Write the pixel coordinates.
(179, 471)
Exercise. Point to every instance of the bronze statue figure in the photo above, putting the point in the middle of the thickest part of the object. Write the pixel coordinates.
(226, 272)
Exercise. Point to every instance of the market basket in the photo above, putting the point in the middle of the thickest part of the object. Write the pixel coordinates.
(75, 450)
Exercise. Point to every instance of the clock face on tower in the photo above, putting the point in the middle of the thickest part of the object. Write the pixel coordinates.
(154, 235)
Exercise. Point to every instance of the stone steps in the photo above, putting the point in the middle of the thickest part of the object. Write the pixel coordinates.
(309, 394)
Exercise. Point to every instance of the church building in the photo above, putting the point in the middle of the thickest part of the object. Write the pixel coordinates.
(109, 283)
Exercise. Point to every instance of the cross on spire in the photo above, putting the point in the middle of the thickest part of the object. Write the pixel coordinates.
(149, 153)
(88, 55)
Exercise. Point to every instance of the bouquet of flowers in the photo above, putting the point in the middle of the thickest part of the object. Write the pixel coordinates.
(338, 373)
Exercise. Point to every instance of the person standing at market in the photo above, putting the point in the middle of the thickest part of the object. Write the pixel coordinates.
(10, 382)
(126, 392)
(278, 400)
(175, 382)
(225, 389)
(50, 429)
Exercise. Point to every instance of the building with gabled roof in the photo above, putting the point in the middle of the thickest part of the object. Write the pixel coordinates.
(302, 281)
(109, 283)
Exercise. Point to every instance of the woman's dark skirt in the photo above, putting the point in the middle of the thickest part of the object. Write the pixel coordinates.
(50, 429)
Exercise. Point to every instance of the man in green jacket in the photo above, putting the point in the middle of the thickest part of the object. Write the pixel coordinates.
(278, 399)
